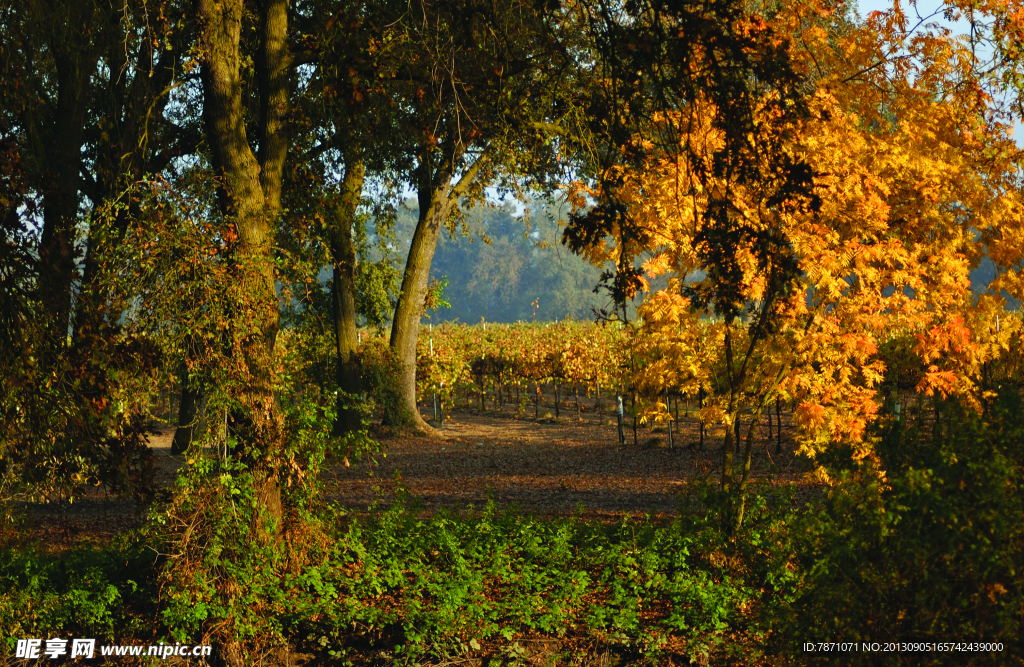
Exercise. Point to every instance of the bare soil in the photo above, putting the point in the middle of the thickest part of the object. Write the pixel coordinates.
(538, 465)
(544, 466)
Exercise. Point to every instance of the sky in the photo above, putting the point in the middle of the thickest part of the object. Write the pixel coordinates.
(925, 6)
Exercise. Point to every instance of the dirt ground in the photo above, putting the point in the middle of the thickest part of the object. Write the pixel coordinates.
(543, 466)
(95, 516)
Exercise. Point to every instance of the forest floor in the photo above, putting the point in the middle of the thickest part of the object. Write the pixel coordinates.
(538, 465)
(546, 467)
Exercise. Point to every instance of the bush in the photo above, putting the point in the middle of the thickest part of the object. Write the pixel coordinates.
(89, 592)
(381, 373)
(929, 547)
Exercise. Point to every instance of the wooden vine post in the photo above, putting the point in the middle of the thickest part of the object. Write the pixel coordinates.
(622, 435)
(671, 444)
(700, 418)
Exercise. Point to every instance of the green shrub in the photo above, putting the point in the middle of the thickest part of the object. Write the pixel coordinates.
(99, 593)
(928, 548)
(381, 373)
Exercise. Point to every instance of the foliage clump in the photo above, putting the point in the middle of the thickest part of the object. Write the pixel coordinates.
(928, 546)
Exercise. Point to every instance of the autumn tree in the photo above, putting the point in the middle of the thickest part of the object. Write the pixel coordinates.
(892, 156)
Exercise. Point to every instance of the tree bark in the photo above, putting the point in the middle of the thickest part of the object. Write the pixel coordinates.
(257, 424)
(436, 197)
(434, 208)
(349, 372)
(61, 162)
(189, 409)
(249, 195)
(273, 65)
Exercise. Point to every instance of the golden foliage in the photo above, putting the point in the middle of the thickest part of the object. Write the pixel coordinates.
(915, 180)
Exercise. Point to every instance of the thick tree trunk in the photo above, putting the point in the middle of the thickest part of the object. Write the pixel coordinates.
(435, 206)
(62, 161)
(257, 424)
(274, 61)
(249, 194)
(343, 295)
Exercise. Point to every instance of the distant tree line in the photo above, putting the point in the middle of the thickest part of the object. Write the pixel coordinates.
(509, 265)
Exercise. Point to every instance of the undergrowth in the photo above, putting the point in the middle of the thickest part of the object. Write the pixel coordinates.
(923, 543)
(414, 588)
(398, 588)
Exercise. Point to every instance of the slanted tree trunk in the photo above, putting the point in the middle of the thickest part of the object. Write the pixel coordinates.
(437, 198)
(343, 254)
(434, 208)
(745, 478)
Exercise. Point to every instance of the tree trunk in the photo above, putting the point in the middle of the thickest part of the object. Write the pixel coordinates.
(188, 414)
(741, 491)
(249, 193)
(349, 372)
(738, 428)
(435, 206)
(273, 64)
(727, 445)
(257, 423)
(778, 426)
(437, 198)
(61, 162)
